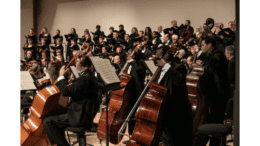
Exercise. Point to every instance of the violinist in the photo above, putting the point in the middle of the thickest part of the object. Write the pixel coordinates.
(31, 36)
(58, 36)
(160, 31)
(118, 65)
(174, 29)
(129, 43)
(176, 102)
(82, 90)
(45, 35)
(28, 57)
(167, 40)
(189, 28)
(121, 31)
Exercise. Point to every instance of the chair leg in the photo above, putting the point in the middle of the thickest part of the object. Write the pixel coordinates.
(68, 137)
(81, 138)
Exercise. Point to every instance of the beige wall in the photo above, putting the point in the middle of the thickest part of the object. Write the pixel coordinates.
(82, 14)
(26, 22)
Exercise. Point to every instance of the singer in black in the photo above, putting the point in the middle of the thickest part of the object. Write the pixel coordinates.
(82, 90)
(177, 115)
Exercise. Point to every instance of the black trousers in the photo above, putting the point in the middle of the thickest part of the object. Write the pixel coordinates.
(55, 129)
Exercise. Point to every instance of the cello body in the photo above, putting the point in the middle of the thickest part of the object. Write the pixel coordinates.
(117, 111)
(147, 131)
(47, 102)
(197, 92)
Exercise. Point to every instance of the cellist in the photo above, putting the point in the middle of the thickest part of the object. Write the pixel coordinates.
(177, 113)
(82, 90)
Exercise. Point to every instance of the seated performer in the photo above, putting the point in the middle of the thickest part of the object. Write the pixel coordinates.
(173, 77)
(81, 91)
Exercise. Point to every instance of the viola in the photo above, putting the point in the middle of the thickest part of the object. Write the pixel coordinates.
(147, 131)
(30, 64)
(47, 102)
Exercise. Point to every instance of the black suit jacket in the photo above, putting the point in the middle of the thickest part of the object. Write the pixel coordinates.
(129, 45)
(232, 71)
(81, 91)
(176, 102)
(155, 46)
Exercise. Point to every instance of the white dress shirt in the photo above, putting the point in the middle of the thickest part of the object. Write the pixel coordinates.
(164, 71)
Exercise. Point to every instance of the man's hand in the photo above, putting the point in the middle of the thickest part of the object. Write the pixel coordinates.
(161, 63)
(227, 32)
(129, 57)
(221, 37)
(63, 71)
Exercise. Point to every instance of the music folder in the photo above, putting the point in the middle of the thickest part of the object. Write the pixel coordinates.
(150, 66)
(26, 81)
(107, 73)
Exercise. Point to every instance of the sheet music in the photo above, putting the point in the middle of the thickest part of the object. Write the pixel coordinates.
(75, 71)
(105, 69)
(26, 81)
(151, 66)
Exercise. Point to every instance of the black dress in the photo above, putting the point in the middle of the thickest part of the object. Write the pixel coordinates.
(57, 36)
(44, 47)
(60, 47)
(48, 38)
(70, 51)
(34, 38)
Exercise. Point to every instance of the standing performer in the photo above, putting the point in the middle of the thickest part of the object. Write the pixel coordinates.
(177, 114)
(81, 91)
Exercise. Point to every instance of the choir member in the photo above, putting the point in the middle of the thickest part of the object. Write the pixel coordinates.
(43, 47)
(155, 41)
(57, 36)
(104, 53)
(129, 42)
(45, 35)
(31, 36)
(72, 49)
(148, 32)
(121, 32)
(111, 30)
(70, 37)
(29, 57)
(134, 33)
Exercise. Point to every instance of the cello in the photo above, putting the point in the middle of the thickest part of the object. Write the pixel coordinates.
(117, 107)
(47, 102)
(147, 129)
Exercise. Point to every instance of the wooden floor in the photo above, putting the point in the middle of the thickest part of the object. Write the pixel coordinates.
(93, 140)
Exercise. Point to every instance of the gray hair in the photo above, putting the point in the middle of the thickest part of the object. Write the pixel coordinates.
(231, 49)
(175, 36)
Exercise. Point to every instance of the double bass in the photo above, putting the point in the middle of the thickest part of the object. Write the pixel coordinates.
(117, 107)
(197, 91)
(147, 131)
(47, 102)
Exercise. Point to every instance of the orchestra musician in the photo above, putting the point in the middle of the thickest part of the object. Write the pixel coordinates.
(129, 43)
(121, 53)
(29, 57)
(148, 32)
(167, 40)
(189, 28)
(160, 31)
(217, 76)
(82, 90)
(45, 35)
(104, 53)
(137, 70)
(173, 77)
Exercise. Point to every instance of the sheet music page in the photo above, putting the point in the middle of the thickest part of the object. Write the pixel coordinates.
(75, 71)
(151, 66)
(105, 69)
(26, 81)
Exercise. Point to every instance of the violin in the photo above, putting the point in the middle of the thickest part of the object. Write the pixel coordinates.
(47, 102)
(30, 64)
(147, 129)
